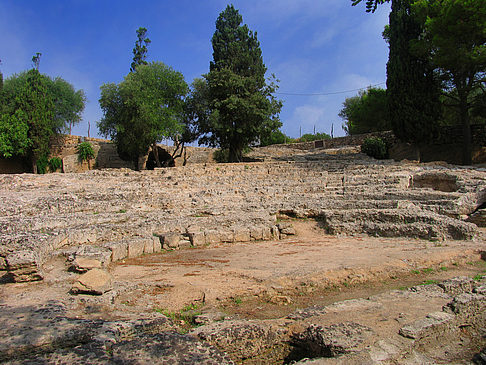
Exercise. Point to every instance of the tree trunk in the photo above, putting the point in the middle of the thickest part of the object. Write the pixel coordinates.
(155, 151)
(235, 153)
(466, 133)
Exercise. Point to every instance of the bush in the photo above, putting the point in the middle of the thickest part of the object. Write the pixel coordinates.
(375, 147)
(42, 164)
(85, 151)
(313, 137)
(54, 164)
(221, 155)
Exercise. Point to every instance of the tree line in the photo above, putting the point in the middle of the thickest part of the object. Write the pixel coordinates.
(436, 72)
(435, 75)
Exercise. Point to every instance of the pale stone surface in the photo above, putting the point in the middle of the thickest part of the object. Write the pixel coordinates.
(421, 327)
(95, 281)
(136, 247)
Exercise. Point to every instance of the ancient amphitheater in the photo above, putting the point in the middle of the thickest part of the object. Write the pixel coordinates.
(313, 255)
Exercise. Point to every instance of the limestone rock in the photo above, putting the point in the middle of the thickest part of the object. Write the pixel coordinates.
(22, 266)
(334, 340)
(239, 339)
(457, 285)
(95, 282)
(422, 327)
(83, 264)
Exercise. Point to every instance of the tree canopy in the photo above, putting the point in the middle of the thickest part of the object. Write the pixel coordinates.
(367, 112)
(140, 49)
(143, 109)
(454, 42)
(34, 107)
(412, 88)
(240, 99)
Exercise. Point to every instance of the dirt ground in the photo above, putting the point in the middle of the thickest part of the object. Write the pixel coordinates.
(270, 279)
(259, 279)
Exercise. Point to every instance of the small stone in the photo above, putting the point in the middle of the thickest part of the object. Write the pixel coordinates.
(95, 282)
(197, 238)
(136, 247)
(170, 240)
(83, 264)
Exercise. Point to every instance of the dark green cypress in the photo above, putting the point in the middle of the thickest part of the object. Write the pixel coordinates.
(412, 88)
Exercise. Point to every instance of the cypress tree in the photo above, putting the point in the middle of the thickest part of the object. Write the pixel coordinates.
(412, 88)
(241, 102)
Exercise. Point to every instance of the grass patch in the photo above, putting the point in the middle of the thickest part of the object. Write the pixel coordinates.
(427, 270)
(429, 282)
(237, 300)
(121, 211)
(184, 318)
(478, 277)
(415, 272)
(443, 268)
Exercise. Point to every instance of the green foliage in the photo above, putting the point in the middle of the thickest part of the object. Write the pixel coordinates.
(14, 134)
(54, 164)
(221, 155)
(313, 137)
(140, 49)
(144, 108)
(35, 107)
(460, 60)
(240, 99)
(371, 5)
(42, 163)
(412, 87)
(375, 147)
(196, 110)
(68, 104)
(365, 113)
(85, 151)
(275, 137)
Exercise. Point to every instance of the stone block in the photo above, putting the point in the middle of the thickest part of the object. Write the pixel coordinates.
(185, 244)
(156, 244)
(22, 267)
(84, 264)
(286, 228)
(421, 327)
(241, 235)
(226, 236)
(197, 238)
(275, 232)
(170, 240)
(212, 237)
(135, 247)
(119, 250)
(256, 233)
(95, 282)
(267, 233)
(148, 245)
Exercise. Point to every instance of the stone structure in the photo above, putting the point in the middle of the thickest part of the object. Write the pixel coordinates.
(86, 221)
(123, 213)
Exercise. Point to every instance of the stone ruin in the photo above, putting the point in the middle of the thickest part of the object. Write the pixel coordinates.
(99, 217)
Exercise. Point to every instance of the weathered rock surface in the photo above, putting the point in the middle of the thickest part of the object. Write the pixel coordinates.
(95, 281)
(134, 213)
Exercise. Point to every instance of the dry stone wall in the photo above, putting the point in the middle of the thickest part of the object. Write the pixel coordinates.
(108, 215)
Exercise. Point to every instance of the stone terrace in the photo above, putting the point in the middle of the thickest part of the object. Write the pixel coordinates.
(114, 214)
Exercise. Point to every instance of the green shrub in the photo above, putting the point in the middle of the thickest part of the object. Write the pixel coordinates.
(313, 137)
(375, 147)
(85, 151)
(54, 164)
(42, 164)
(221, 155)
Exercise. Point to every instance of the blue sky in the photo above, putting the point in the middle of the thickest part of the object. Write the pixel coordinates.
(312, 46)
